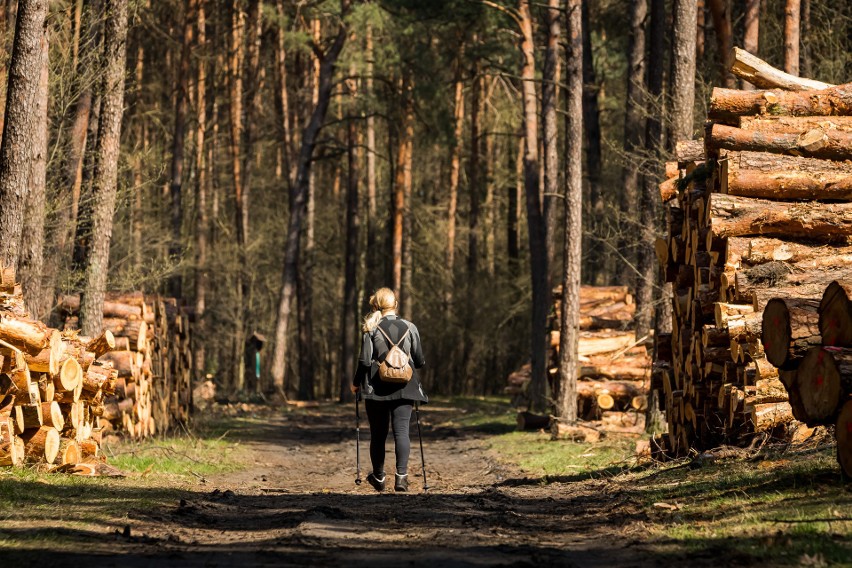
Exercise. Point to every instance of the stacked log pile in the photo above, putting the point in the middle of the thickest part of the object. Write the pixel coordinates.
(615, 371)
(53, 387)
(813, 353)
(759, 210)
(151, 358)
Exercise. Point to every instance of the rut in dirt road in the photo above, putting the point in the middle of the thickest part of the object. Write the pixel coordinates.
(298, 505)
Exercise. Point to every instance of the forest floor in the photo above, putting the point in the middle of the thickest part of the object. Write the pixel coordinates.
(260, 487)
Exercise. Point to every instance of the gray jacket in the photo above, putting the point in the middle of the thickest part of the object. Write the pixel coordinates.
(374, 349)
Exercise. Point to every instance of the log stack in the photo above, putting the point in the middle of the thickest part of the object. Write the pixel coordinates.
(52, 387)
(615, 368)
(152, 360)
(759, 210)
(814, 360)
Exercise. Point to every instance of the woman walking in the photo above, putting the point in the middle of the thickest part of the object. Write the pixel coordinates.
(387, 380)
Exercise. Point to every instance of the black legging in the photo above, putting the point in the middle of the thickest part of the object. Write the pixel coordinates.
(397, 414)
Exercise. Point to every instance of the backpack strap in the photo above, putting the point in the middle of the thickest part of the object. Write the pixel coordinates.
(390, 342)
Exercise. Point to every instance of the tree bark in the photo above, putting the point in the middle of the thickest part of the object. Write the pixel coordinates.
(455, 168)
(36, 297)
(309, 139)
(553, 206)
(19, 124)
(775, 176)
(683, 71)
(474, 175)
(535, 216)
(647, 277)
(789, 328)
(792, 18)
(201, 186)
(178, 145)
(721, 12)
(634, 129)
(751, 34)
(727, 104)
(372, 218)
(732, 216)
(592, 126)
(105, 179)
(828, 144)
(761, 74)
(572, 252)
(349, 322)
(513, 212)
(398, 209)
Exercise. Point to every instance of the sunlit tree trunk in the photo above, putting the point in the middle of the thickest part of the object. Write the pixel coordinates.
(792, 20)
(683, 71)
(535, 216)
(372, 252)
(455, 169)
(720, 10)
(201, 186)
(553, 205)
(19, 126)
(291, 254)
(751, 33)
(566, 406)
(31, 261)
(105, 177)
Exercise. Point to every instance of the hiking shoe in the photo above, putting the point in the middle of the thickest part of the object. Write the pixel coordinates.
(378, 484)
(401, 482)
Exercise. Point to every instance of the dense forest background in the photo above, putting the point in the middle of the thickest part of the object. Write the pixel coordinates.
(415, 179)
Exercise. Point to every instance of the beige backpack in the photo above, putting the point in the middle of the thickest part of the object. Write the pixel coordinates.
(396, 368)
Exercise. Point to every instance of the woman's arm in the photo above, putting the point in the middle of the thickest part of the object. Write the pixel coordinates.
(416, 348)
(365, 360)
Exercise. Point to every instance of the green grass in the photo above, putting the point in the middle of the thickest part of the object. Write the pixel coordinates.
(727, 510)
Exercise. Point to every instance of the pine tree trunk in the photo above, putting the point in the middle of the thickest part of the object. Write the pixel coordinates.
(647, 277)
(350, 293)
(201, 219)
(105, 176)
(572, 253)
(138, 167)
(535, 217)
(592, 126)
(251, 82)
(683, 66)
(372, 219)
(294, 225)
(792, 18)
(634, 133)
(455, 168)
(31, 261)
(805, 55)
(406, 298)
(282, 94)
(721, 12)
(553, 204)
(751, 34)
(513, 209)
(18, 127)
(398, 209)
(81, 199)
(474, 175)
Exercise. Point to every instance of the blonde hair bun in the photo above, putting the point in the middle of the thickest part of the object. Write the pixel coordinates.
(383, 301)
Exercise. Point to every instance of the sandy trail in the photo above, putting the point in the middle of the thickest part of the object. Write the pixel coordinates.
(297, 505)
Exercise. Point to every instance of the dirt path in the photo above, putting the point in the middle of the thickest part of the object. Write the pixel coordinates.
(298, 505)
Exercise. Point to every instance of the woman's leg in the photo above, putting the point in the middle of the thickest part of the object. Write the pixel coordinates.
(379, 417)
(400, 421)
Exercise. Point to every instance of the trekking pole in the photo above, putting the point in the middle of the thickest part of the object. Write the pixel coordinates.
(420, 437)
(357, 439)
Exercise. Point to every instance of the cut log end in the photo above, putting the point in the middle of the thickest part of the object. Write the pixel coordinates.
(843, 432)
